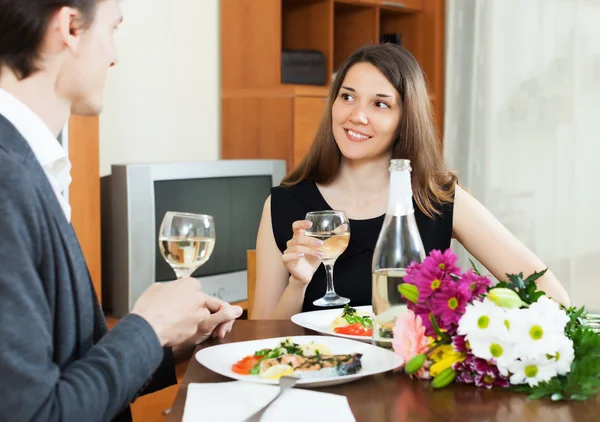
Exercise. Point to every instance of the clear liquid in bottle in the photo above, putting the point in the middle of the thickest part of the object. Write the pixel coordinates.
(399, 244)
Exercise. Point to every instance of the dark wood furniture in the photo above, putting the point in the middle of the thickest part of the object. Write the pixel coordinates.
(395, 397)
(263, 118)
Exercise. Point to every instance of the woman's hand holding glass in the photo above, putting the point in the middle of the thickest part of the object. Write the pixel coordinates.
(322, 237)
(302, 256)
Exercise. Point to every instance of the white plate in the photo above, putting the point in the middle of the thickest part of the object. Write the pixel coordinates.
(320, 321)
(374, 359)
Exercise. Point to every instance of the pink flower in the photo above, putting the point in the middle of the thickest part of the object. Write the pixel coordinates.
(423, 312)
(409, 338)
(445, 261)
(448, 306)
(411, 271)
(473, 284)
(434, 273)
(429, 281)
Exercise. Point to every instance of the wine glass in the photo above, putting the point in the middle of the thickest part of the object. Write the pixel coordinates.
(333, 228)
(186, 241)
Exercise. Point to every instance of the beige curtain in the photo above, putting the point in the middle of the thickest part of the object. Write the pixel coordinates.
(522, 125)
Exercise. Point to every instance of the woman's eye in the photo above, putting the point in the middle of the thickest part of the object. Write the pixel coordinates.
(346, 97)
(381, 104)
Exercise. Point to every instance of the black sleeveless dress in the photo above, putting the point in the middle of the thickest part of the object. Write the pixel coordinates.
(352, 270)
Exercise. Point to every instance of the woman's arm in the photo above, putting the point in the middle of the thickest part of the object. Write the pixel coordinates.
(276, 296)
(496, 248)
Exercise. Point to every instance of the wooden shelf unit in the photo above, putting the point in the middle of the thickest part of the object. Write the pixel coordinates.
(263, 118)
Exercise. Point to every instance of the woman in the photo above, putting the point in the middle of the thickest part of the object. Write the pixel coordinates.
(378, 109)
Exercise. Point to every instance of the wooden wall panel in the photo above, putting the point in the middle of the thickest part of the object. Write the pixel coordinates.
(434, 12)
(354, 27)
(84, 192)
(309, 26)
(250, 61)
(257, 127)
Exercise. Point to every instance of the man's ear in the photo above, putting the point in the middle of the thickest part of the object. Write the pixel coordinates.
(66, 28)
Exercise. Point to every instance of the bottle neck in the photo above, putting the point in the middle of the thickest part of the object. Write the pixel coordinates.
(400, 198)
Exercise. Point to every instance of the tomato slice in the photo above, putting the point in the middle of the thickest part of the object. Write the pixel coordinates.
(355, 329)
(243, 366)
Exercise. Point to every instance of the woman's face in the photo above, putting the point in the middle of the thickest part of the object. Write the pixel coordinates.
(365, 113)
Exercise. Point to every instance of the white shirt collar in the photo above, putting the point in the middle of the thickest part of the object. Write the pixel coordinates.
(45, 146)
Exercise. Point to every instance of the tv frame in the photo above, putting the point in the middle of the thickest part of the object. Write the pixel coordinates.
(128, 224)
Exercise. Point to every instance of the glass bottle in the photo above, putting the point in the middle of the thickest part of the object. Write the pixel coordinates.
(399, 244)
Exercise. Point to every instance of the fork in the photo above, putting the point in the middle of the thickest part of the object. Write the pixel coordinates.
(285, 383)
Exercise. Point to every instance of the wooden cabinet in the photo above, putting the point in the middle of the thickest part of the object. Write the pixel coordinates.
(263, 118)
(84, 191)
(416, 5)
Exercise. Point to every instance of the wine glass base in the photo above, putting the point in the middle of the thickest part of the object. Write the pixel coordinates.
(331, 300)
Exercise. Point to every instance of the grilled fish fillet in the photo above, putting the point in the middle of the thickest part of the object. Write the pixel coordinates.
(318, 366)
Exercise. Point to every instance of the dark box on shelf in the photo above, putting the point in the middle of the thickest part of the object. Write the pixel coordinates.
(304, 67)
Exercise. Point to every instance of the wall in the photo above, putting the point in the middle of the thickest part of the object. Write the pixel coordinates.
(162, 100)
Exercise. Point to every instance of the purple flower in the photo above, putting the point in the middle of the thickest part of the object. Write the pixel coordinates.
(489, 381)
(460, 344)
(474, 285)
(464, 373)
(479, 372)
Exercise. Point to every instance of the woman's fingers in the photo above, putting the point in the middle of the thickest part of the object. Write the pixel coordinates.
(300, 251)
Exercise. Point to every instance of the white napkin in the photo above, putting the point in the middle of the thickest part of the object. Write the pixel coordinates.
(236, 400)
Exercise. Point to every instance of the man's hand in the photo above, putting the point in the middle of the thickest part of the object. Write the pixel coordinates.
(218, 324)
(173, 309)
(220, 321)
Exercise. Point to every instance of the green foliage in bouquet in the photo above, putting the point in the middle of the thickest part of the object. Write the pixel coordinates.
(583, 381)
(525, 288)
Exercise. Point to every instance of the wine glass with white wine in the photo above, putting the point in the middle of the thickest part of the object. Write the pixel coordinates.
(333, 228)
(186, 241)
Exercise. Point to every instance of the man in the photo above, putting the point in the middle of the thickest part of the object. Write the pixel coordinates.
(57, 359)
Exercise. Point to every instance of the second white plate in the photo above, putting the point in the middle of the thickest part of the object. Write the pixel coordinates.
(320, 321)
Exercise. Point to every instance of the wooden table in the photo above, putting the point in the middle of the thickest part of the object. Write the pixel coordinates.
(395, 397)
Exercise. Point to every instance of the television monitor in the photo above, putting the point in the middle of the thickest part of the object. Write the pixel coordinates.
(135, 197)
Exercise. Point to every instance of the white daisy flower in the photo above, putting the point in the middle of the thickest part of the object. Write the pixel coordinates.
(531, 371)
(546, 308)
(511, 318)
(563, 356)
(483, 320)
(534, 335)
(495, 350)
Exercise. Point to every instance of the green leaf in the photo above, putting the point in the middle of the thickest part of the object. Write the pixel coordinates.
(474, 267)
(533, 277)
(436, 328)
(527, 288)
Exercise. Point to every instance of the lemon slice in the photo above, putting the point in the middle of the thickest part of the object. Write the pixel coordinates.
(277, 371)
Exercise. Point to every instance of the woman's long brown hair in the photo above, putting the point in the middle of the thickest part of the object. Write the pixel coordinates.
(416, 137)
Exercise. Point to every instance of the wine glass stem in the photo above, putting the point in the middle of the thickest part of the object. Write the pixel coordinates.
(329, 271)
(182, 273)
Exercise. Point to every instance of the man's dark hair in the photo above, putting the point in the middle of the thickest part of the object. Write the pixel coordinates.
(23, 24)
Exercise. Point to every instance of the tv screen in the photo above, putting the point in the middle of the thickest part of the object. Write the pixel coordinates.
(236, 205)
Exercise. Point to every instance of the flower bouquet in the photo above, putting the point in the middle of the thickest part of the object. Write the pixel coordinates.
(460, 328)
